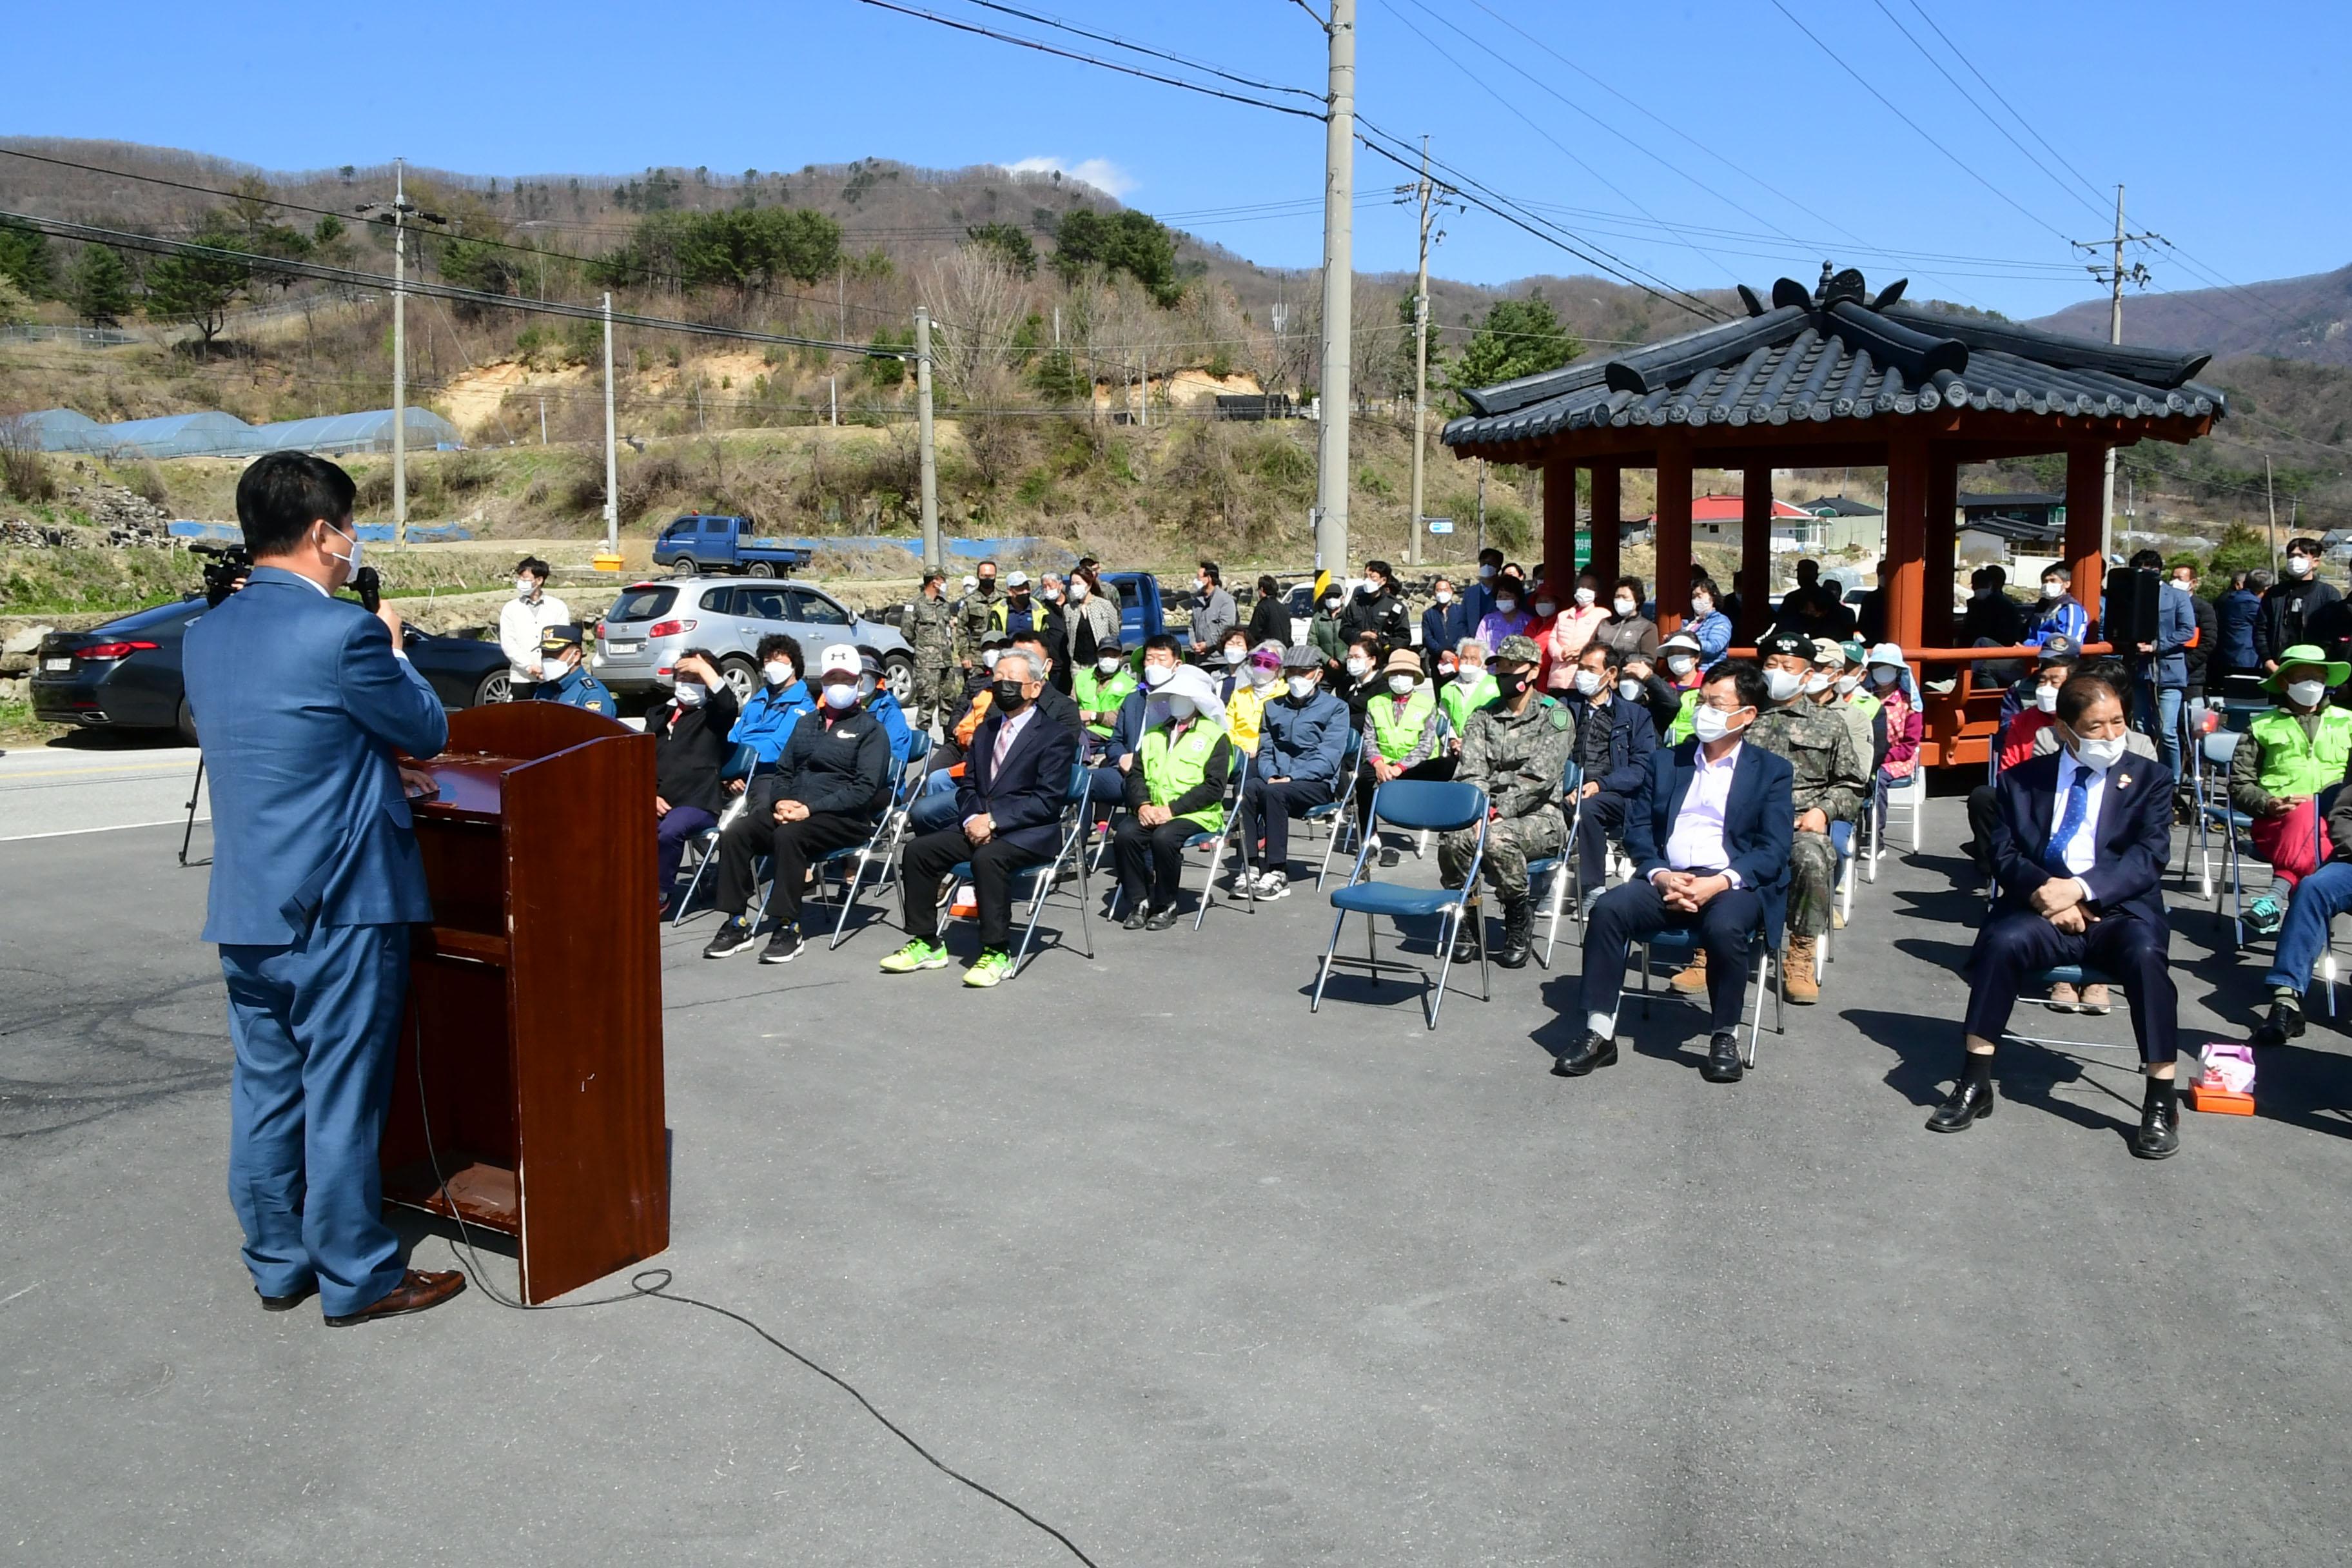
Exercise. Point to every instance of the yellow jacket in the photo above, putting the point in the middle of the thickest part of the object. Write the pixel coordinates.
(1244, 716)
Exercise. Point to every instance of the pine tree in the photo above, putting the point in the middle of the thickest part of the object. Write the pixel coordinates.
(101, 286)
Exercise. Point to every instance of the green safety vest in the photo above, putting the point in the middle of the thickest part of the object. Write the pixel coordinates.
(1868, 703)
(1172, 771)
(1683, 728)
(1461, 701)
(1095, 691)
(1397, 737)
(2295, 764)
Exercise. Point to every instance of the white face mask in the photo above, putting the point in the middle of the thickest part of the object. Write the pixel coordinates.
(352, 560)
(1504, 604)
(1783, 684)
(1179, 705)
(2306, 693)
(2099, 756)
(1235, 655)
(1546, 607)
(1817, 683)
(839, 695)
(1588, 681)
(2296, 565)
(1711, 724)
(777, 672)
(1702, 607)
(1485, 573)
(1402, 685)
(1077, 591)
(1301, 686)
(1331, 606)
(1360, 666)
(1109, 664)
(1681, 664)
(2053, 590)
(1884, 673)
(526, 586)
(1624, 606)
(2046, 699)
(1846, 683)
(1584, 596)
(1158, 674)
(1630, 690)
(990, 658)
(1444, 595)
(689, 694)
(1264, 680)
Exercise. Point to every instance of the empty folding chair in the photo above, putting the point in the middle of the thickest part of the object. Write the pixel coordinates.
(1411, 805)
(1565, 882)
(741, 765)
(1340, 810)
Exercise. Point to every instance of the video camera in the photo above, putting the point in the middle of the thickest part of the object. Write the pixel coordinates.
(226, 566)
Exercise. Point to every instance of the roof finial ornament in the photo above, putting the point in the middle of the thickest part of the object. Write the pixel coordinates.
(1822, 289)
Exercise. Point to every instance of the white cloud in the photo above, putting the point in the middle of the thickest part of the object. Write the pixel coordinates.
(1101, 173)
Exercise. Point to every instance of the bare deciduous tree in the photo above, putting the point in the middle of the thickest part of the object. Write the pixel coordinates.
(982, 301)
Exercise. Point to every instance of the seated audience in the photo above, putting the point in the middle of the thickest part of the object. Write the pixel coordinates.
(1517, 750)
(767, 720)
(1614, 737)
(690, 752)
(2287, 756)
(1401, 740)
(1176, 789)
(1299, 751)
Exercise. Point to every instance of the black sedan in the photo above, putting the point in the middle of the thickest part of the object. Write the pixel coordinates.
(125, 675)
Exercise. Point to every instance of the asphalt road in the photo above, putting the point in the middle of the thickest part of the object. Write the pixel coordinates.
(85, 784)
(1201, 1278)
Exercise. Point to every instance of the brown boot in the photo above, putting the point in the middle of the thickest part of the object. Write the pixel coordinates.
(1692, 981)
(1797, 980)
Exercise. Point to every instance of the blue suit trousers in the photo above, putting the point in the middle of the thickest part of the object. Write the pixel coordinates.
(316, 1024)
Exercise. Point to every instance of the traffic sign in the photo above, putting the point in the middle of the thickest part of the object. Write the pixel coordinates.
(1439, 524)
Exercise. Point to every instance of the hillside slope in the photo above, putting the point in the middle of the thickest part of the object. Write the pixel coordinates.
(2285, 318)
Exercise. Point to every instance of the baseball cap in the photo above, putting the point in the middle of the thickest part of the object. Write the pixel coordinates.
(1018, 580)
(2060, 648)
(837, 656)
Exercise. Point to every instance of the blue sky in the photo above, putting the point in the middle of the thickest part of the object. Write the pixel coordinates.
(2222, 122)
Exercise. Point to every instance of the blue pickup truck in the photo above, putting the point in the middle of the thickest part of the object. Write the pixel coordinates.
(699, 545)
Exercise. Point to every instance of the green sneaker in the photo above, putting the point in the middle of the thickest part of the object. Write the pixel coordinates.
(916, 954)
(992, 967)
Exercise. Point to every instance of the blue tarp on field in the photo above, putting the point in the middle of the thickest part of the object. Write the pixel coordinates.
(373, 532)
(972, 549)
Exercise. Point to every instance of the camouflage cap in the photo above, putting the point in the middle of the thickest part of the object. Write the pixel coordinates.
(1520, 650)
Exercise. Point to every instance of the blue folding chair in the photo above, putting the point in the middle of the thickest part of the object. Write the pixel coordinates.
(741, 765)
(1037, 883)
(1566, 883)
(2077, 975)
(1341, 809)
(1681, 948)
(1412, 805)
(1218, 840)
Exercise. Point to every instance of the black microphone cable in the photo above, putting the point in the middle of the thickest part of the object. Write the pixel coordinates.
(654, 1284)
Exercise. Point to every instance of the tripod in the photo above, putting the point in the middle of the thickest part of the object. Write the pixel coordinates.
(187, 834)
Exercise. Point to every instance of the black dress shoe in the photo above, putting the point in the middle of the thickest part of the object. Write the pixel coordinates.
(1723, 1064)
(2158, 1137)
(289, 1302)
(1592, 1051)
(1161, 918)
(1135, 917)
(1962, 1107)
(2284, 1024)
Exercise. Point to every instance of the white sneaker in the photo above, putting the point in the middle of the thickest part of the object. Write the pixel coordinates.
(1272, 885)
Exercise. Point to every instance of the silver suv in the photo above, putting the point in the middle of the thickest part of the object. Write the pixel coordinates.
(639, 638)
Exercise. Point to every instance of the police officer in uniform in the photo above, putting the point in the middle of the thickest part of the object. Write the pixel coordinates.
(1517, 750)
(931, 630)
(569, 682)
(1830, 781)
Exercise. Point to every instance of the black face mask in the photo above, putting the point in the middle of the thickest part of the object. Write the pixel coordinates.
(1510, 685)
(987, 586)
(1018, 599)
(1009, 699)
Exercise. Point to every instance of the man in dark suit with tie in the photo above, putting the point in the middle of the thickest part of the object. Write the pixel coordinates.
(1709, 833)
(2081, 840)
(302, 700)
(1016, 782)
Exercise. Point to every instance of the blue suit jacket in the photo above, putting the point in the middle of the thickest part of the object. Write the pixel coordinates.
(300, 704)
(1758, 821)
(2134, 836)
(2176, 623)
(1443, 626)
(1027, 798)
(1632, 737)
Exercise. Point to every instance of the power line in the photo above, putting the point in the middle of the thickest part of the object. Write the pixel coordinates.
(1118, 43)
(2096, 196)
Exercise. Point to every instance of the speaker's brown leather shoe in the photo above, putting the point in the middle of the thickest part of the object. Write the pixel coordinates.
(418, 1291)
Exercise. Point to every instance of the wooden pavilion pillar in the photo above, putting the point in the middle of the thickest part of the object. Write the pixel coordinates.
(1906, 538)
(1559, 517)
(2087, 503)
(1943, 528)
(1608, 501)
(1754, 553)
(1674, 533)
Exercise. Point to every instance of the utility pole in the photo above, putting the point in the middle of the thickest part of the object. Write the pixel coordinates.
(612, 460)
(1339, 293)
(1482, 506)
(2270, 504)
(399, 353)
(1143, 416)
(1420, 362)
(933, 554)
(833, 398)
(2114, 275)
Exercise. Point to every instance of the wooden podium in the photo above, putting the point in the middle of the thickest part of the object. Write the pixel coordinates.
(536, 997)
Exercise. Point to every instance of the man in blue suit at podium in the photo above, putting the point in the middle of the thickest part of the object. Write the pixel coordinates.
(300, 700)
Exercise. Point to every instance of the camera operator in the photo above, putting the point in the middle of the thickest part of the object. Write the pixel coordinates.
(303, 701)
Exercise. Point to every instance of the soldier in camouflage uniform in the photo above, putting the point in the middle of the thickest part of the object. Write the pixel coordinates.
(1830, 785)
(1516, 748)
(930, 628)
(975, 620)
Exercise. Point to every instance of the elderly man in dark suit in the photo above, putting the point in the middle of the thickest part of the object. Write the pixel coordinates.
(2078, 847)
(1710, 832)
(302, 701)
(1016, 782)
